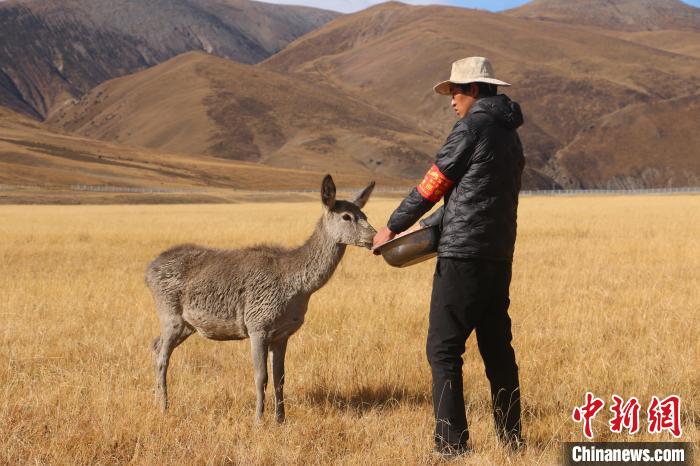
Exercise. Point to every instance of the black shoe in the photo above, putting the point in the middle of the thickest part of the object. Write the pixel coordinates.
(449, 452)
(514, 444)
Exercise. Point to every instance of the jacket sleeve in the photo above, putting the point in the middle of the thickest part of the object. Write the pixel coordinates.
(433, 219)
(450, 164)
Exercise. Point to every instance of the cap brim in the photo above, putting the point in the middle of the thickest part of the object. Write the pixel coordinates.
(443, 88)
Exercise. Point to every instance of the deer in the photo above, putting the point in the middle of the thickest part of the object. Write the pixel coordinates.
(260, 292)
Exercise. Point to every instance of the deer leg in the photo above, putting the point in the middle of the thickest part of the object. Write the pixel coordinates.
(278, 352)
(259, 347)
(173, 332)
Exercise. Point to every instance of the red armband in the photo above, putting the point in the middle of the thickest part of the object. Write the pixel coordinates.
(434, 184)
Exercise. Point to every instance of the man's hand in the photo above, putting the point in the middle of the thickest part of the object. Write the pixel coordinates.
(410, 230)
(382, 236)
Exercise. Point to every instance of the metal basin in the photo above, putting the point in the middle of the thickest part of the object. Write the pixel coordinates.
(410, 249)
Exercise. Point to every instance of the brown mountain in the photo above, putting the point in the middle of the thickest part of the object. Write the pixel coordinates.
(41, 166)
(612, 154)
(675, 41)
(53, 51)
(627, 15)
(200, 104)
(603, 107)
(568, 78)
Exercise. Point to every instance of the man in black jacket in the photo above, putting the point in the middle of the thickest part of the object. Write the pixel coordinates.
(478, 172)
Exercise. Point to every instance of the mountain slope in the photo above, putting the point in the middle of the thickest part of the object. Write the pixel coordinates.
(38, 165)
(614, 151)
(603, 107)
(200, 104)
(54, 51)
(627, 15)
(679, 42)
(567, 78)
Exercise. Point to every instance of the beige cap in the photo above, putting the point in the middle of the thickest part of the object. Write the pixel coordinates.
(469, 70)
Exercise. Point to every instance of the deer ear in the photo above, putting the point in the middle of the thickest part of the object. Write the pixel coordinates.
(328, 192)
(363, 197)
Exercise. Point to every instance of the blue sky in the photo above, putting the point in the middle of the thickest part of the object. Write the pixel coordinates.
(493, 5)
(498, 5)
(347, 6)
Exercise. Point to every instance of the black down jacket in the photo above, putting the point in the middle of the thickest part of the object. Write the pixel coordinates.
(478, 171)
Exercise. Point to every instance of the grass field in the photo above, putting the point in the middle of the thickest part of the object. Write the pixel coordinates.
(604, 298)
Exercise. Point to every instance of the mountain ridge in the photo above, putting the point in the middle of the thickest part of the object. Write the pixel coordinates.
(221, 110)
(604, 108)
(566, 77)
(55, 51)
(625, 15)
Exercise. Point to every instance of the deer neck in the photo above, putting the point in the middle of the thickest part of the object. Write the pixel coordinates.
(316, 260)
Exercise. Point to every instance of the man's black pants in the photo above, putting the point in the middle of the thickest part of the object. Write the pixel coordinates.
(471, 294)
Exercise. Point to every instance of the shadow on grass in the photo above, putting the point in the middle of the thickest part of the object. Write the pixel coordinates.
(361, 399)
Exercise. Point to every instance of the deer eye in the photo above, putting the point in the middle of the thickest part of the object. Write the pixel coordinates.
(347, 217)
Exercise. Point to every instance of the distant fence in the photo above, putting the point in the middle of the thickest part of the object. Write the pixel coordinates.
(131, 189)
(626, 192)
(156, 190)
(525, 192)
(101, 188)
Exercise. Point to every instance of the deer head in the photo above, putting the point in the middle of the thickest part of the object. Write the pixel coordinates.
(344, 221)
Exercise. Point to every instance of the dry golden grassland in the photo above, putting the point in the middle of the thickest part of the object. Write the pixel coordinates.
(604, 298)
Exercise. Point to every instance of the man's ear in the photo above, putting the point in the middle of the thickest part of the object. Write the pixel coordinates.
(474, 90)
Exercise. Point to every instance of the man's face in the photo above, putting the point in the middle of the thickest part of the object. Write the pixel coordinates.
(461, 102)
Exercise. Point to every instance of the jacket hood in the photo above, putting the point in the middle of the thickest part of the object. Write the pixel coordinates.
(502, 109)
